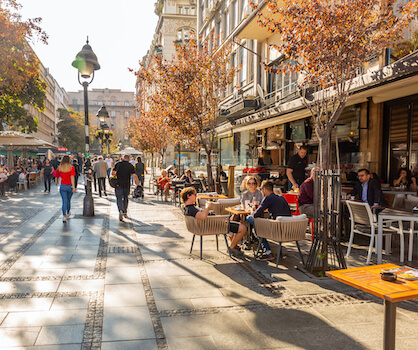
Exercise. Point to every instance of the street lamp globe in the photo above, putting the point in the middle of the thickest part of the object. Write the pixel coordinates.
(86, 61)
(102, 114)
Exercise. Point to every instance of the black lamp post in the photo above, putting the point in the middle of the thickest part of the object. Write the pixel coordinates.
(86, 63)
(103, 133)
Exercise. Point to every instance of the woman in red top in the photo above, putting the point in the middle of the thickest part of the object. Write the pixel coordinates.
(67, 174)
(164, 183)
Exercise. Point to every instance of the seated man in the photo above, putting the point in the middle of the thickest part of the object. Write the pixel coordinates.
(367, 190)
(188, 197)
(276, 205)
(306, 195)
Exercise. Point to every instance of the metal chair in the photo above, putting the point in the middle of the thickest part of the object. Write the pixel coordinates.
(283, 229)
(212, 225)
(364, 222)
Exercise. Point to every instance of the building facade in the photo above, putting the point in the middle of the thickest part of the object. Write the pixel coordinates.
(377, 130)
(177, 21)
(121, 106)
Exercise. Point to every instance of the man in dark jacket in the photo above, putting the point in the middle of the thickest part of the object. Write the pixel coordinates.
(276, 206)
(124, 170)
(367, 190)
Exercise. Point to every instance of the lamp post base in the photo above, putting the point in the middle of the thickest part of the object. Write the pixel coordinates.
(88, 205)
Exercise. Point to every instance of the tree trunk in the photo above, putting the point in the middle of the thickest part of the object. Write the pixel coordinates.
(209, 172)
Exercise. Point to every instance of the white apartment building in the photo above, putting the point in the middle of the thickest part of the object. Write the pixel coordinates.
(264, 111)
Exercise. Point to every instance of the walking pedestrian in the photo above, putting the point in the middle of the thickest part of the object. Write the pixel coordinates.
(47, 171)
(124, 170)
(109, 162)
(67, 174)
(77, 171)
(100, 168)
(140, 170)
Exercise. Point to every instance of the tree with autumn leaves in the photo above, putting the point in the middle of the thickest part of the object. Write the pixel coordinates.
(20, 82)
(327, 42)
(183, 94)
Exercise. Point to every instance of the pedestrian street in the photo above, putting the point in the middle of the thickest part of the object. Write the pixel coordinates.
(98, 283)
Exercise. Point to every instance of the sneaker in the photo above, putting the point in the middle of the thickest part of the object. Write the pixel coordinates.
(64, 219)
(236, 252)
(120, 216)
(266, 257)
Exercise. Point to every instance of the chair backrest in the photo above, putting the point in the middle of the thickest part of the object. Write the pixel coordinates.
(212, 225)
(221, 204)
(32, 176)
(288, 230)
(293, 202)
(360, 213)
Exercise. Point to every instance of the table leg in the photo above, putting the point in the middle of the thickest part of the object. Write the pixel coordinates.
(390, 326)
(411, 240)
(379, 239)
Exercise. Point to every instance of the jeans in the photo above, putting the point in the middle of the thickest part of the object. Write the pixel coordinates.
(108, 172)
(47, 183)
(263, 242)
(122, 194)
(102, 185)
(66, 192)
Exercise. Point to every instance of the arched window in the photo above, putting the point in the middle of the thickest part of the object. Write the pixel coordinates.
(184, 34)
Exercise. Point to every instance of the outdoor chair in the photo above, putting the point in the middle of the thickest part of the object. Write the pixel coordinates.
(364, 222)
(202, 201)
(221, 204)
(293, 202)
(212, 225)
(23, 183)
(32, 179)
(283, 229)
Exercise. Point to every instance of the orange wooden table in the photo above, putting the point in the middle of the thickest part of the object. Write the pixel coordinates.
(217, 196)
(368, 279)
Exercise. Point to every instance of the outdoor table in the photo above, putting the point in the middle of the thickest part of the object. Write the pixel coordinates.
(368, 279)
(217, 196)
(395, 215)
(242, 212)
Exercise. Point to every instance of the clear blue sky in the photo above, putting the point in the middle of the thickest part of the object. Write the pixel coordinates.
(120, 33)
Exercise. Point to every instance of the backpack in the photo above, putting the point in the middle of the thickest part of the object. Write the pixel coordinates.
(113, 181)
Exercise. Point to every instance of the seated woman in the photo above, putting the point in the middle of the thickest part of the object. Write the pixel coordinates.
(187, 177)
(164, 184)
(251, 184)
(188, 197)
(405, 179)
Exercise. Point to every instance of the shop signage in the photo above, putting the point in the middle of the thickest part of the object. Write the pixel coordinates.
(62, 149)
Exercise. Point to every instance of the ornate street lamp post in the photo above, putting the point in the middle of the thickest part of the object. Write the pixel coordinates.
(86, 63)
(103, 133)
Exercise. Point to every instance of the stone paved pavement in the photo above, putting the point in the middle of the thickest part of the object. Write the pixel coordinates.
(97, 283)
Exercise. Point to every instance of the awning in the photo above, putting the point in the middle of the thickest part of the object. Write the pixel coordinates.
(130, 151)
(15, 139)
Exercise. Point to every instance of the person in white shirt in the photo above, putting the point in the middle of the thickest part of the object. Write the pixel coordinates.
(109, 162)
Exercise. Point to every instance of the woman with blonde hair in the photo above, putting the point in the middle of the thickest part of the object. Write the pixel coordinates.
(253, 194)
(66, 172)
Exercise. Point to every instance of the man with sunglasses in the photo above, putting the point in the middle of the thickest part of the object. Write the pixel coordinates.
(276, 206)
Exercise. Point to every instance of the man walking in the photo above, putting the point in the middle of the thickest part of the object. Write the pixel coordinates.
(109, 162)
(100, 168)
(124, 170)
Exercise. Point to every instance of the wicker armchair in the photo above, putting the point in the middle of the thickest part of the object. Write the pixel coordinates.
(221, 204)
(283, 229)
(212, 225)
